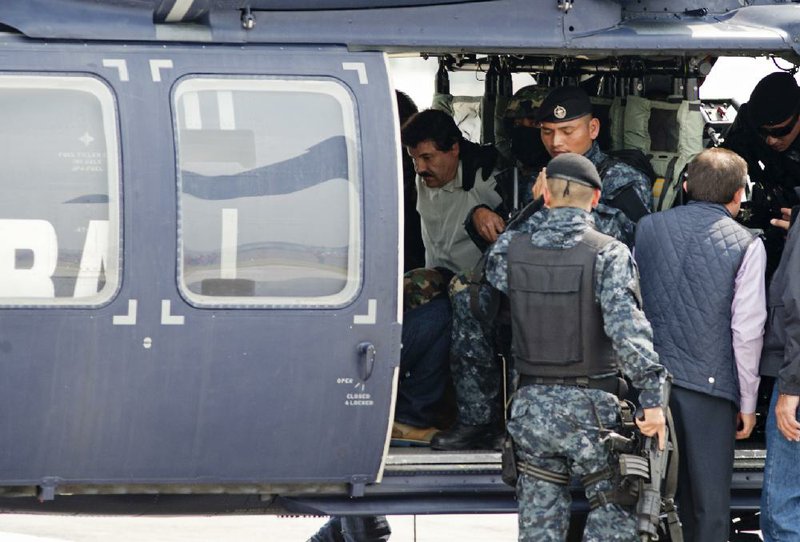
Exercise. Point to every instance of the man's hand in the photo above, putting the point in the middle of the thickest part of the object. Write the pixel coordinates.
(786, 416)
(745, 424)
(538, 187)
(488, 224)
(785, 219)
(653, 422)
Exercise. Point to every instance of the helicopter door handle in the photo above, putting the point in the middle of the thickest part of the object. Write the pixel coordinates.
(366, 353)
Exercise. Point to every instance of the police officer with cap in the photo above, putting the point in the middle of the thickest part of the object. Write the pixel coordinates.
(569, 356)
(765, 135)
(567, 125)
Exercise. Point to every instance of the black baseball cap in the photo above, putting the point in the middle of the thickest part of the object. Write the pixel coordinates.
(774, 99)
(574, 168)
(564, 104)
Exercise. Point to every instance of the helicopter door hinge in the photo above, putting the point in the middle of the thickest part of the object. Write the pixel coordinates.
(357, 485)
(565, 5)
(46, 490)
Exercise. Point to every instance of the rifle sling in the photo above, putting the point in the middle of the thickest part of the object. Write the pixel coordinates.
(671, 484)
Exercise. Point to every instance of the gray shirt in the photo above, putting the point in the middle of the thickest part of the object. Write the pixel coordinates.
(443, 211)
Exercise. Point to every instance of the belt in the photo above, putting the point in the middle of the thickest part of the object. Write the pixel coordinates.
(611, 384)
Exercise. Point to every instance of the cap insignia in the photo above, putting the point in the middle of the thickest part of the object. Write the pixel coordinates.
(559, 112)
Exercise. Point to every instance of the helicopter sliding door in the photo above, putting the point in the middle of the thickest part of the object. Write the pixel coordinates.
(202, 288)
(287, 257)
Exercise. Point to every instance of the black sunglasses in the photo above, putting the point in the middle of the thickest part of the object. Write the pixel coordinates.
(779, 132)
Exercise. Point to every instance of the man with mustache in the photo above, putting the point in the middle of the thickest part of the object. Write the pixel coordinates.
(453, 176)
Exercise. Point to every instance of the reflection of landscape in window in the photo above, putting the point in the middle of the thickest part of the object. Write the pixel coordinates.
(289, 244)
(305, 270)
(282, 170)
(53, 147)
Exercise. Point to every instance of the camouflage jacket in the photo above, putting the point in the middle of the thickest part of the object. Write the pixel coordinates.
(616, 178)
(608, 219)
(616, 289)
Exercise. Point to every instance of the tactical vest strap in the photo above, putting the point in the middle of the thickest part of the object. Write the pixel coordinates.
(559, 478)
(613, 496)
(593, 478)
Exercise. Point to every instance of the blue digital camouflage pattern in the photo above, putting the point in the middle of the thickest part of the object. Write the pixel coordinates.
(477, 375)
(559, 428)
(616, 178)
(616, 289)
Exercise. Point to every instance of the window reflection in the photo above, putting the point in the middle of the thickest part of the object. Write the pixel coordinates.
(269, 205)
(59, 224)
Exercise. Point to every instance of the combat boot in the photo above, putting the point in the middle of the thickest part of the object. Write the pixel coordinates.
(469, 437)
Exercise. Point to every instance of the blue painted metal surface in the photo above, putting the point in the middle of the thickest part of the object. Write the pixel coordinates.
(254, 400)
(231, 395)
(622, 27)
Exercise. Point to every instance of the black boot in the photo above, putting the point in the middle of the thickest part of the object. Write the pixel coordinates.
(469, 437)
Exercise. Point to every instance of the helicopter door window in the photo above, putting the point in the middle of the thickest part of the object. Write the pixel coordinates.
(59, 210)
(269, 192)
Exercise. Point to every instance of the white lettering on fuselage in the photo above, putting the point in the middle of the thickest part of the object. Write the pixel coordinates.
(40, 239)
(359, 399)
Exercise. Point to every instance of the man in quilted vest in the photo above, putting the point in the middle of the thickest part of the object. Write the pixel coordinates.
(702, 280)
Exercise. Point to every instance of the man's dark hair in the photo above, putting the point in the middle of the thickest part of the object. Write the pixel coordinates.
(715, 175)
(405, 106)
(434, 125)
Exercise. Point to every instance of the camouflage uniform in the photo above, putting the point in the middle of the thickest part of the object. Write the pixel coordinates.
(420, 286)
(615, 179)
(559, 428)
(477, 376)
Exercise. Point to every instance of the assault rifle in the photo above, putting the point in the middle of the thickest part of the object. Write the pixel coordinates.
(654, 475)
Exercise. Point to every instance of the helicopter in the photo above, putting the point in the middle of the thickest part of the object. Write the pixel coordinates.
(201, 234)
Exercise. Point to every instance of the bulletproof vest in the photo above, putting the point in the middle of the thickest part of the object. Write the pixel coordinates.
(557, 325)
(688, 258)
